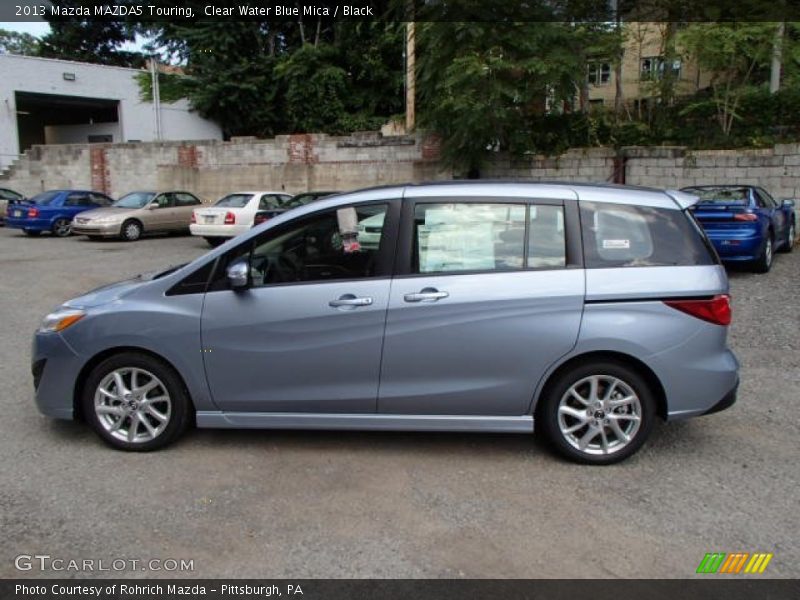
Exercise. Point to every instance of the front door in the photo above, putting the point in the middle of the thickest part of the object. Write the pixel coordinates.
(306, 335)
(489, 302)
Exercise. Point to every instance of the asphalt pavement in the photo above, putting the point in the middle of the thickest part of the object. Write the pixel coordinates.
(339, 504)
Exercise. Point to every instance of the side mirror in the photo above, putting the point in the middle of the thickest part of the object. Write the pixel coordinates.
(788, 203)
(152, 206)
(238, 274)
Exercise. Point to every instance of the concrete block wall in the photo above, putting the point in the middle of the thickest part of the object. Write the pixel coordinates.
(292, 163)
(296, 163)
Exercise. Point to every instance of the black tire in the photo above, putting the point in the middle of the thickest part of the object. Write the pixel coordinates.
(31, 232)
(547, 414)
(214, 241)
(180, 412)
(791, 235)
(764, 261)
(131, 230)
(61, 228)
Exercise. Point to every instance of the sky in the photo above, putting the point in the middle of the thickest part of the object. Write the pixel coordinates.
(40, 28)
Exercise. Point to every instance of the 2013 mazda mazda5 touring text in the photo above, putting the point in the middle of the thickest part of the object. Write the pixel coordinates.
(586, 310)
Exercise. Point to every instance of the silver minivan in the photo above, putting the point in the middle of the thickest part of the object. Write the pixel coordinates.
(586, 310)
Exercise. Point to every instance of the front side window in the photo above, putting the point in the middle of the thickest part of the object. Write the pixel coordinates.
(164, 200)
(621, 235)
(334, 245)
(468, 237)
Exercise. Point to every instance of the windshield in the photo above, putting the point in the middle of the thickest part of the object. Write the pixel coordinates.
(722, 195)
(134, 200)
(234, 200)
(44, 198)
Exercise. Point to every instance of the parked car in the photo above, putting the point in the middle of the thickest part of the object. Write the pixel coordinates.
(587, 310)
(8, 197)
(139, 213)
(233, 214)
(298, 200)
(54, 211)
(745, 223)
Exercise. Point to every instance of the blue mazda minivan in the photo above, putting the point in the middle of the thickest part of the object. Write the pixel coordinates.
(587, 311)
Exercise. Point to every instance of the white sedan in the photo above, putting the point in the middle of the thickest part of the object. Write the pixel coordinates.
(233, 214)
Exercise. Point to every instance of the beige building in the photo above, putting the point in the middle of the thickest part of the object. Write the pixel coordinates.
(643, 65)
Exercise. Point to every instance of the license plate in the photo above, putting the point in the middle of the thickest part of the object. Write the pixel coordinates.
(17, 213)
(208, 219)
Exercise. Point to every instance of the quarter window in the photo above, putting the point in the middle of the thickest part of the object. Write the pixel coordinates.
(620, 235)
(337, 244)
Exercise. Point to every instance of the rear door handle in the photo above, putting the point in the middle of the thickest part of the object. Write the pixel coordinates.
(349, 301)
(426, 295)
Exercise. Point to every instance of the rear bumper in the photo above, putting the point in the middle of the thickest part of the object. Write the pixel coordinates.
(29, 224)
(736, 244)
(725, 402)
(225, 231)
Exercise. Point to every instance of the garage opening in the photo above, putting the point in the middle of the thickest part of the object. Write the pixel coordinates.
(52, 119)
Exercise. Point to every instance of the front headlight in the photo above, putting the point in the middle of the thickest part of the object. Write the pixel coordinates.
(104, 220)
(60, 320)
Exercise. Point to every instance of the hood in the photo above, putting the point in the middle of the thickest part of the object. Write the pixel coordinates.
(114, 291)
(107, 211)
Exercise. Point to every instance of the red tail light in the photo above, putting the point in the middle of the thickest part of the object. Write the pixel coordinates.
(194, 218)
(715, 310)
(33, 213)
(745, 217)
(230, 218)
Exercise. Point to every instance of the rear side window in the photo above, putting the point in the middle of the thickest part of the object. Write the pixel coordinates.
(620, 235)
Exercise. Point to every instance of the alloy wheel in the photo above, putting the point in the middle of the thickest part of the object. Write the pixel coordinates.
(62, 228)
(132, 405)
(599, 415)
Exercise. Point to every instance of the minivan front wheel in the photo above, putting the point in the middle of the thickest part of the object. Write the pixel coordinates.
(135, 402)
(599, 413)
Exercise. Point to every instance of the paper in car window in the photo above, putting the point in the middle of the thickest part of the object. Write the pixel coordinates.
(616, 244)
(455, 240)
(348, 221)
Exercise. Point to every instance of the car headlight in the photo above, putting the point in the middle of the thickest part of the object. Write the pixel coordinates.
(60, 320)
(103, 220)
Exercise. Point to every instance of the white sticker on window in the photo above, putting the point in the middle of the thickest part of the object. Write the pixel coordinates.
(617, 244)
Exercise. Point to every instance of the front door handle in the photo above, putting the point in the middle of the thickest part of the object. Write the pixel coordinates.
(426, 295)
(349, 302)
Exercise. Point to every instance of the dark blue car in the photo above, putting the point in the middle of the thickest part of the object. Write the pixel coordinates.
(53, 211)
(745, 224)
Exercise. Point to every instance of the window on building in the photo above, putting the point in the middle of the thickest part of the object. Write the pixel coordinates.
(599, 73)
(655, 67)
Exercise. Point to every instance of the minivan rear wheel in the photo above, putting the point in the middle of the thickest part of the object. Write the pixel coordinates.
(135, 402)
(599, 414)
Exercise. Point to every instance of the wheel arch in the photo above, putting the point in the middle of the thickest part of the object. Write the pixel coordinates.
(608, 356)
(80, 380)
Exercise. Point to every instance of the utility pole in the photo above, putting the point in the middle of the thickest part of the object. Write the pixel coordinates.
(777, 55)
(156, 96)
(411, 79)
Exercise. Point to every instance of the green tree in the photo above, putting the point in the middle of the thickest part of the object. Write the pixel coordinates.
(480, 83)
(736, 54)
(12, 42)
(90, 40)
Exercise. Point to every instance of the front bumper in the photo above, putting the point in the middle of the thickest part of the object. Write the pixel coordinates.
(100, 229)
(55, 367)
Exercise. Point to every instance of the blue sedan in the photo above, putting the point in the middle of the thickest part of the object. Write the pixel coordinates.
(745, 224)
(53, 211)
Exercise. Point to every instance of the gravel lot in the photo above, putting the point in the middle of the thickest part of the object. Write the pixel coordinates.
(304, 504)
